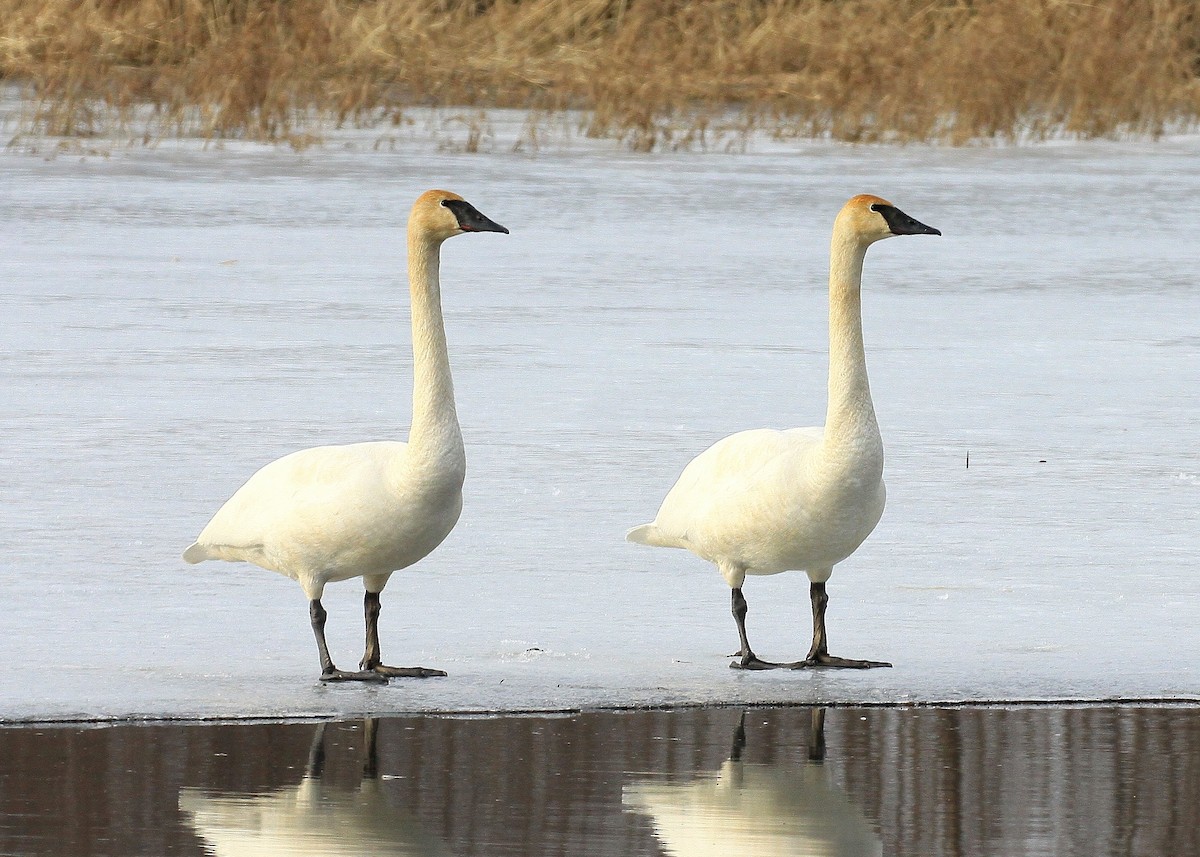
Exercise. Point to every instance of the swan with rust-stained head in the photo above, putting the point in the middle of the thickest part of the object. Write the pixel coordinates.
(366, 509)
(765, 501)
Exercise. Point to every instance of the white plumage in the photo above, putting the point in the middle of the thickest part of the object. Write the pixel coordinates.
(366, 509)
(334, 512)
(766, 501)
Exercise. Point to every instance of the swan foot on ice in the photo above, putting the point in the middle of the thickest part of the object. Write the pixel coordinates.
(824, 661)
(371, 660)
(329, 672)
(754, 662)
(818, 655)
(362, 675)
(405, 672)
(829, 661)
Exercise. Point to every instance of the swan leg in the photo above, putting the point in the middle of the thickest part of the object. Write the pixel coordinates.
(818, 655)
(316, 615)
(747, 660)
(370, 661)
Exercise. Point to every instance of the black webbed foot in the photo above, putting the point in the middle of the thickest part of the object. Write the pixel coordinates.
(406, 672)
(826, 661)
(361, 675)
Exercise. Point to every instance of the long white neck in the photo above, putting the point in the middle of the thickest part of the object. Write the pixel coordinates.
(851, 415)
(434, 420)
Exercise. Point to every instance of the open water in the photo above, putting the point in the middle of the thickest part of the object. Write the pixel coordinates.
(1038, 782)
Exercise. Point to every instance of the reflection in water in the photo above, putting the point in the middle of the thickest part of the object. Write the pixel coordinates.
(757, 809)
(313, 818)
(1038, 782)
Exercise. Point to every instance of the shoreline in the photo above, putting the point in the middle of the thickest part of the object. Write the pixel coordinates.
(516, 713)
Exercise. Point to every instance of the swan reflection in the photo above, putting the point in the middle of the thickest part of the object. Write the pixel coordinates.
(756, 809)
(312, 818)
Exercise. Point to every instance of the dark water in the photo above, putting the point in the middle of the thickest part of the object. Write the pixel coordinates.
(1019, 781)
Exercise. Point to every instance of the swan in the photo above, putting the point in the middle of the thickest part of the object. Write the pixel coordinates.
(765, 501)
(365, 509)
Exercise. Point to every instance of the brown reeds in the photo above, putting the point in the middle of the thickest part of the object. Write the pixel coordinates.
(653, 73)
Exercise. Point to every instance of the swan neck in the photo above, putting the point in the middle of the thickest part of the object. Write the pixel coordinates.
(851, 414)
(434, 419)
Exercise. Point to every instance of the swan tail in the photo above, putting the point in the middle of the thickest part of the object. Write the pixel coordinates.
(648, 534)
(196, 553)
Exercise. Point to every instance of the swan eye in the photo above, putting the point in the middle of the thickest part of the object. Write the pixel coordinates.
(874, 206)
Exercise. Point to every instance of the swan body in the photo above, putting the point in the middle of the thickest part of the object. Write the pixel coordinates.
(357, 510)
(365, 509)
(766, 501)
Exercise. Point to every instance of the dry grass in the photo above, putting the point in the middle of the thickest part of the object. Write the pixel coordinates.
(653, 73)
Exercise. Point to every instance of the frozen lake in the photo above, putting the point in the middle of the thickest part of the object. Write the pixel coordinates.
(177, 317)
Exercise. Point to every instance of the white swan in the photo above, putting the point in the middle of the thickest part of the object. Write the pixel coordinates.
(365, 509)
(765, 501)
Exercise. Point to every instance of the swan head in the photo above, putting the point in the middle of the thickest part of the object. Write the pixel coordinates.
(441, 214)
(873, 218)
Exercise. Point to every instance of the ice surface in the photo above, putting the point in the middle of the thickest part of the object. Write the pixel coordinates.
(177, 317)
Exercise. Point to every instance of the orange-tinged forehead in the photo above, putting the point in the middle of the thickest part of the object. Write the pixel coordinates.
(866, 200)
(435, 197)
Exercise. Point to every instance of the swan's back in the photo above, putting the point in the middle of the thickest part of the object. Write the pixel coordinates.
(730, 476)
(747, 460)
(769, 501)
